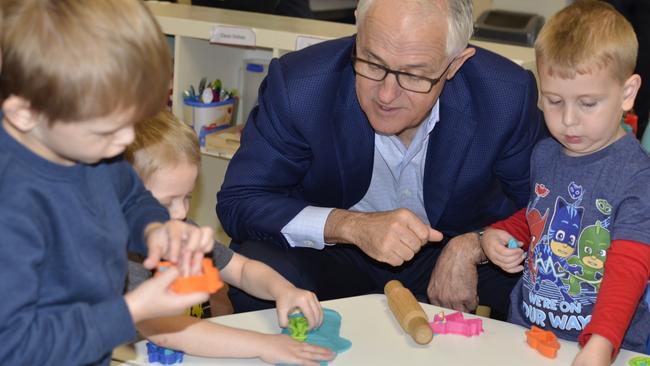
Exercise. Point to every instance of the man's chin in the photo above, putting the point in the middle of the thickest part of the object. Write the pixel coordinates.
(386, 128)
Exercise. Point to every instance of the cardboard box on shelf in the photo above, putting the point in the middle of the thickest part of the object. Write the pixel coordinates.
(223, 143)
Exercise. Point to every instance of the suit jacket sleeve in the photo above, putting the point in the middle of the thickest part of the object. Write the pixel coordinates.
(255, 201)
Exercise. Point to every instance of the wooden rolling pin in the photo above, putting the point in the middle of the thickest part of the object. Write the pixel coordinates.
(408, 312)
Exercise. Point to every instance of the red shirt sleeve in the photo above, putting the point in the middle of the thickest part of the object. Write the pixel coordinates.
(517, 226)
(627, 270)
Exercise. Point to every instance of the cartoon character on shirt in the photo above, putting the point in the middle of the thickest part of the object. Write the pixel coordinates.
(536, 223)
(592, 251)
(564, 229)
(563, 233)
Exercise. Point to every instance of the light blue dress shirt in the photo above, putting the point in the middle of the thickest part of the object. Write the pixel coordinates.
(396, 182)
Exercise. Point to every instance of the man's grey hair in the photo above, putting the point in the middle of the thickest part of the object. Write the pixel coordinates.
(460, 21)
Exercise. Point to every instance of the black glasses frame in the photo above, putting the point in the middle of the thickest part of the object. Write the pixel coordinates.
(397, 73)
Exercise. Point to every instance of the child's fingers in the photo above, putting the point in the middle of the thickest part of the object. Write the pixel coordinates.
(316, 310)
(319, 309)
(184, 264)
(506, 263)
(503, 254)
(153, 257)
(187, 300)
(199, 239)
(305, 361)
(175, 234)
(283, 318)
(179, 301)
(193, 239)
(167, 276)
(310, 315)
(513, 260)
(514, 269)
(318, 353)
(197, 263)
(207, 239)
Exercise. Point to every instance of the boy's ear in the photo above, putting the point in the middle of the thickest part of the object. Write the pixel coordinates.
(630, 89)
(18, 113)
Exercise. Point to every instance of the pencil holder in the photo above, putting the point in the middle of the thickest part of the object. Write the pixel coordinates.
(254, 71)
(208, 116)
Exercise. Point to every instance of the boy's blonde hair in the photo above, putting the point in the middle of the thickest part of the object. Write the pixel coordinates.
(586, 36)
(78, 59)
(162, 141)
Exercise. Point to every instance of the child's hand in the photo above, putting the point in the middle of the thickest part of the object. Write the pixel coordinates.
(495, 246)
(290, 298)
(597, 352)
(179, 242)
(154, 299)
(280, 348)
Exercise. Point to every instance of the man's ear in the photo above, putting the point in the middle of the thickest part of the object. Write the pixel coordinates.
(18, 113)
(630, 89)
(459, 61)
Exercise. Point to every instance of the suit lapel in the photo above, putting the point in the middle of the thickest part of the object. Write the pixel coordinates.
(354, 143)
(448, 145)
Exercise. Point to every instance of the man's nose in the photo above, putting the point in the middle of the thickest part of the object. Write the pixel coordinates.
(389, 89)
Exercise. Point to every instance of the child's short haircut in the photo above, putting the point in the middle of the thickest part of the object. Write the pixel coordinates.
(162, 141)
(78, 59)
(586, 36)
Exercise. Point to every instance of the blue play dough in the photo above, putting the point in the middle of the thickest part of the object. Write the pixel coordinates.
(512, 243)
(327, 335)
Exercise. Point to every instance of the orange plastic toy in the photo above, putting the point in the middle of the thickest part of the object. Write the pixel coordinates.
(209, 281)
(544, 341)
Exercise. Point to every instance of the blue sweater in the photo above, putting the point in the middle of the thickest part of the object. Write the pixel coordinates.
(64, 232)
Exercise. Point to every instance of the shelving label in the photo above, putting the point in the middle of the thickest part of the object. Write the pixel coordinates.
(306, 41)
(239, 36)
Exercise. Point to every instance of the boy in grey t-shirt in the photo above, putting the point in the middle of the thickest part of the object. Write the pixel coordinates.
(166, 155)
(587, 224)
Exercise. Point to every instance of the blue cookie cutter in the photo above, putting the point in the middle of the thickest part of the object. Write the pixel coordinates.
(163, 355)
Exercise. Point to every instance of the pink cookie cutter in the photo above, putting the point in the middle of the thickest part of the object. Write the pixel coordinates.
(454, 323)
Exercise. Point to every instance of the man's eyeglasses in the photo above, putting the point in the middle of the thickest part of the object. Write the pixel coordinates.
(407, 81)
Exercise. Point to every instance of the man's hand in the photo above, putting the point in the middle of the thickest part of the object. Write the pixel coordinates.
(392, 237)
(454, 278)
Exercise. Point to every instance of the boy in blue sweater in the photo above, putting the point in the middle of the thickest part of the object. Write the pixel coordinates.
(76, 76)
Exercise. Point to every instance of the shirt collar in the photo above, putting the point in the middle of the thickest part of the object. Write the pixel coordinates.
(422, 134)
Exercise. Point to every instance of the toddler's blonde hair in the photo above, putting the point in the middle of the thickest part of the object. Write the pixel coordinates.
(585, 36)
(162, 141)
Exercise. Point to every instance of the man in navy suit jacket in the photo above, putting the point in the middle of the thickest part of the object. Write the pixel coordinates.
(360, 146)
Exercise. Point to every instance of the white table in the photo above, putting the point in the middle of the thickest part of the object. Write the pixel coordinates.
(378, 340)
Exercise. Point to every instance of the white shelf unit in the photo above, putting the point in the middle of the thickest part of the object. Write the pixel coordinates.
(190, 28)
(193, 60)
(195, 57)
